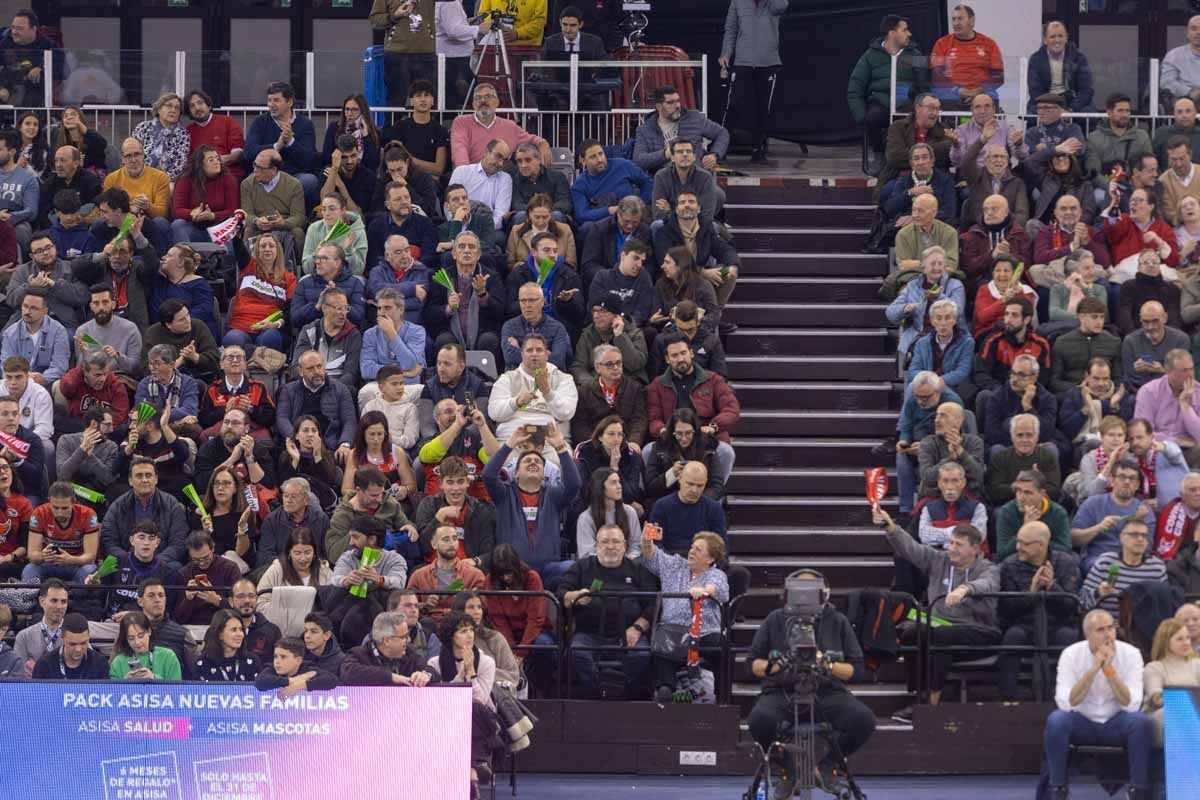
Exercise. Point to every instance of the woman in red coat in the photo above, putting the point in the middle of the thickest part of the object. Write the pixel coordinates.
(205, 195)
(1140, 229)
(990, 300)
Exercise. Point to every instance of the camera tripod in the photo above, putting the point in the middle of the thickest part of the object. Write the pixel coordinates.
(494, 41)
(800, 753)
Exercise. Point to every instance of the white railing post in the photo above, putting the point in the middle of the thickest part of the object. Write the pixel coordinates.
(574, 79)
(704, 84)
(1023, 89)
(310, 80)
(1154, 88)
(180, 72)
(892, 81)
(48, 80)
(441, 81)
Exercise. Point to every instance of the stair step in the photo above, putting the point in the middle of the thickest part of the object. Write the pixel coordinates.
(808, 290)
(849, 572)
(799, 215)
(798, 190)
(809, 540)
(798, 341)
(774, 510)
(807, 315)
(767, 452)
(816, 423)
(815, 263)
(883, 699)
(814, 395)
(822, 481)
(768, 239)
(847, 368)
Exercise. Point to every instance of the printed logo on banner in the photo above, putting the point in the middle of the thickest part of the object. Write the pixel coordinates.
(152, 775)
(247, 777)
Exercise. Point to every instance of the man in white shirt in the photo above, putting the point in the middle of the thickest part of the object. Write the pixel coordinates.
(487, 182)
(1099, 692)
(37, 409)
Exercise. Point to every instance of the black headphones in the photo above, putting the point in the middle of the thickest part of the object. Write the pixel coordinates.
(809, 572)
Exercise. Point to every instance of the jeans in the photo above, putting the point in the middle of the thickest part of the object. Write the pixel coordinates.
(724, 457)
(36, 573)
(551, 573)
(906, 481)
(1129, 728)
(184, 230)
(311, 185)
(635, 662)
(271, 338)
(158, 231)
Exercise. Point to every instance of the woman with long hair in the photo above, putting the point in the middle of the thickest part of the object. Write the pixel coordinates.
(681, 441)
(1173, 663)
(205, 195)
(15, 511)
(681, 280)
(223, 657)
(461, 661)
(297, 565)
(165, 138)
(539, 219)
(136, 658)
(73, 130)
(177, 278)
(422, 188)
(355, 120)
(265, 286)
(606, 508)
(34, 150)
(373, 446)
(608, 447)
(520, 619)
(304, 456)
(229, 520)
(1062, 174)
(353, 242)
(488, 640)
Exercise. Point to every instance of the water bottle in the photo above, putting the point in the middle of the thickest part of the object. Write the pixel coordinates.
(761, 794)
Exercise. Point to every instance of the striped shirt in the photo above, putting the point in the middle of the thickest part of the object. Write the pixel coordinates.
(1152, 568)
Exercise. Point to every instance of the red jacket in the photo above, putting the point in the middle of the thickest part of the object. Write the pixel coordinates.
(223, 133)
(1044, 250)
(221, 193)
(975, 251)
(424, 579)
(81, 397)
(524, 615)
(1125, 239)
(714, 401)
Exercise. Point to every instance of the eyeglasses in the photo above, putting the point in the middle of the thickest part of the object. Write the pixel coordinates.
(1024, 374)
(324, 258)
(37, 251)
(609, 363)
(233, 357)
(224, 483)
(926, 396)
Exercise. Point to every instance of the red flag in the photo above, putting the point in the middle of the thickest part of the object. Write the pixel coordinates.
(21, 448)
(693, 653)
(877, 486)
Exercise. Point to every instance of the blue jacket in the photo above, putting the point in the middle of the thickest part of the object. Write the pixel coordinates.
(553, 501)
(383, 276)
(417, 229)
(308, 291)
(299, 156)
(49, 354)
(957, 361)
(916, 422)
(593, 194)
(913, 292)
(896, 202)
(1077, 74)
(556, 337)
(196, 295)
(187, 404)
(406, 351)
(72, 242)
(337, 406)
(1070, 410)
(1003, 404)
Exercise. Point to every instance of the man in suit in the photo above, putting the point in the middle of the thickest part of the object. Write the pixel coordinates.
(560, 47)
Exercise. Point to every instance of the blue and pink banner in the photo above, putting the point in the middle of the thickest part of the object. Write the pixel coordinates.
(115, 741)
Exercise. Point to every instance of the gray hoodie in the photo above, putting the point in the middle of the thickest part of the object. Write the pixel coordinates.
(982, 576)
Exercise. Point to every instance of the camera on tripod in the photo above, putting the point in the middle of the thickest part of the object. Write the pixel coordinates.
(805, 599)
(497, 17)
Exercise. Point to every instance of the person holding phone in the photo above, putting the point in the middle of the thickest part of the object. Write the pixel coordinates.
(135, 657)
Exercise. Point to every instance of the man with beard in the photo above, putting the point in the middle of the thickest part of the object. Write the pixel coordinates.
(352, 614)
(219, 131)
(347, 178)
(236, 449)
(64, 538)
(1098, 523)
(385, 660)
(19, 190)
(399, 220)
(119, 338)
(602, 183)
(473, 519)
(370, 498)
(145, 501)
(1000, 349)
(717, 259)
(329, 401)
(205, 573)
(89, 458)
(452, 380)
(114, 264)
(261, 633)
(470, 133)
(446, 569)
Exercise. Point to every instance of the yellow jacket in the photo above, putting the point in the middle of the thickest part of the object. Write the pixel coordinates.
(153, 183)
(530, 16)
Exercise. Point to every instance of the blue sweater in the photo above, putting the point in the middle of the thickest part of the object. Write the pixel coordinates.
(406, 351)
(196, 295)
(916, 422)
(299, 156)
(636, 294)
(680, 521)
(593, 194)
(552, 329)
(308, 291)
(1096, 508)
(72, 242)
(417, 229)
(383, 276)
(19, 192)
(957, 361)
(553, 501)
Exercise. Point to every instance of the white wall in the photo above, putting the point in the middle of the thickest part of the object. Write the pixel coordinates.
(1016, 25)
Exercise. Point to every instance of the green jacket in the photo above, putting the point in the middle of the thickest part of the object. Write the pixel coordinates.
(1073, 351)
(1105, 147)
(1009, 520)
(631, 343)
(163, 663)
(337, 536)
(871, 79)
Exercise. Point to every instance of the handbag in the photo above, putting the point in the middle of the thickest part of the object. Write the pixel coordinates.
(671, 641)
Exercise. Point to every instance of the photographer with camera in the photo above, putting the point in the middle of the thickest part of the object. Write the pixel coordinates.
(805, 653)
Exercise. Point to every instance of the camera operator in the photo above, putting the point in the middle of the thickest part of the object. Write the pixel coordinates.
(851, 720)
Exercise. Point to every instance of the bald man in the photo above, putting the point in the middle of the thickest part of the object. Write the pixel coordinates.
(924, 231)
(149, 192)
(1144, 350)
(1035, 568)
(1098, 693)
(272, 199)
(949, 442)
(999, 234)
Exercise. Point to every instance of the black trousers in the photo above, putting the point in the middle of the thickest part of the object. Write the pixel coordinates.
(401, 69)
(940, 662)
(754, 97)
(1008, 665)
(876, 123)
(844, 712)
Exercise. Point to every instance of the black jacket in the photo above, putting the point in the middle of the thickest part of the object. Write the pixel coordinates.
(1077, 75)
(832, 632)
(608, 618)
(600, 249)
(479, 532)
